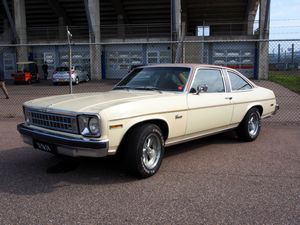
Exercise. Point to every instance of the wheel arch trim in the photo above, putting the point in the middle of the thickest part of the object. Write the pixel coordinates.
(158, 120)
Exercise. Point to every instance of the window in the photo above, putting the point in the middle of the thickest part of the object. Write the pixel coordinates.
(203, 31)
(237, 83)
(210, 78)
(160, 78)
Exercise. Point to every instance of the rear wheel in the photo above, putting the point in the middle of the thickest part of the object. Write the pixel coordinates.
(249, 128)
(144, 150)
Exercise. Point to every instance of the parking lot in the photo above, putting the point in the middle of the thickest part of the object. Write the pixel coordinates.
(215, 180)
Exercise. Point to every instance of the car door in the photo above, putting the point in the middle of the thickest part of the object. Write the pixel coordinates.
(210, 107)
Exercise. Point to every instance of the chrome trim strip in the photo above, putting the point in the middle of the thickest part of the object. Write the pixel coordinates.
(148, 114)
(203, 134)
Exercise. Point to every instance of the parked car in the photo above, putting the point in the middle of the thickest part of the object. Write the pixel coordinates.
(27, 72)
(62, 75)
(151, 108)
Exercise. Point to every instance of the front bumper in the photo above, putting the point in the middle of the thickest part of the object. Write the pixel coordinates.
(62, 144)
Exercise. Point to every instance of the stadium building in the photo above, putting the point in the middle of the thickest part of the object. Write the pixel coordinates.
(111, 36)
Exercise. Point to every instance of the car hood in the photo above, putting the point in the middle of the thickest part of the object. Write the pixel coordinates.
(89, 102)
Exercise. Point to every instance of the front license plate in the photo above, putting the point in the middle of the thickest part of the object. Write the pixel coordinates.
(44, 146)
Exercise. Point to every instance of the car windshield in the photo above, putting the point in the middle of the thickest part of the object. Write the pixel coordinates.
(25, 67)
(156, 78)
(62, 69)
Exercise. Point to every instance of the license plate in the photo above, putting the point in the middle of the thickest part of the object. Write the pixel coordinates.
(44, 146)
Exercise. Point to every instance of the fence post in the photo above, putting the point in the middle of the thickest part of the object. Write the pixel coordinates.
(69, 35)
(293, 54)
(278, 56)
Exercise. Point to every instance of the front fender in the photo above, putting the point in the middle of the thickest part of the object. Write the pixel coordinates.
(118, 128)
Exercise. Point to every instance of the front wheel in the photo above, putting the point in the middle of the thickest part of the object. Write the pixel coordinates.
(144, 150)
(249, 128)
(76, 81)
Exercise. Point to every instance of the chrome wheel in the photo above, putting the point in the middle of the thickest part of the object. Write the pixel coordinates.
(253, 124)
(144, 149)
(151, 151)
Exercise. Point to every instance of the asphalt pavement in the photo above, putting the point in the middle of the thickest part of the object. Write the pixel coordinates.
(215, 180)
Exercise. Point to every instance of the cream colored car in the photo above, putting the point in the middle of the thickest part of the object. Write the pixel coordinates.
(151, 108)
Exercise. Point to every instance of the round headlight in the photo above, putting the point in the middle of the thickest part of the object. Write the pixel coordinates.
(94, 126)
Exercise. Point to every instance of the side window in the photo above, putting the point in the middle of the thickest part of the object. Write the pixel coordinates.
(210, 78)
(238, 83)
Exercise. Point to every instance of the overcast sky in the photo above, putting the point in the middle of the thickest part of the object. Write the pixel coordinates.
(285, 19)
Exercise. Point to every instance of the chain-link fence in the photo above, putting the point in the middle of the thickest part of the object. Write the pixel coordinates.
(272, 64)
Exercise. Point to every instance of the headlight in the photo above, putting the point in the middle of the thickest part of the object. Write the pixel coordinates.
(89, 125)
(26, 116)
(94, 126)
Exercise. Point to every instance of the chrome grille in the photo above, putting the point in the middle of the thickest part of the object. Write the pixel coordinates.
(53, 121)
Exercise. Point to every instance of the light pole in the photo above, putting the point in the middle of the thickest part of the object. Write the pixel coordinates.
(69, 35)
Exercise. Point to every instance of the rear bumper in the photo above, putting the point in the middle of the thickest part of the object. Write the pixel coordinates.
(62, 79)
(62, 144)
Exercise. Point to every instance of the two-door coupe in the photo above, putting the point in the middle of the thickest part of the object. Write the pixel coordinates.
(151, 108)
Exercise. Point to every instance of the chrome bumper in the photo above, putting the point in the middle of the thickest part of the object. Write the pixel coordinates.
(62, 144)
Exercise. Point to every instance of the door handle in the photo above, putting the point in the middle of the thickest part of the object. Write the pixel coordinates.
(178, 116)
(229, 98)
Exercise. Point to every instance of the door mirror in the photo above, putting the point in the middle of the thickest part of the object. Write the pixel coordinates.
(203, 88)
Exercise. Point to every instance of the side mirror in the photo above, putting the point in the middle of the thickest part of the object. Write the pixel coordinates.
(203, 88)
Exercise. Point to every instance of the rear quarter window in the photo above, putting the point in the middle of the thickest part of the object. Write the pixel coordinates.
(237, 82)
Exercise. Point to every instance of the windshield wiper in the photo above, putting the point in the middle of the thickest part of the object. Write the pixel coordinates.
(150, 88)
(122, 87)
